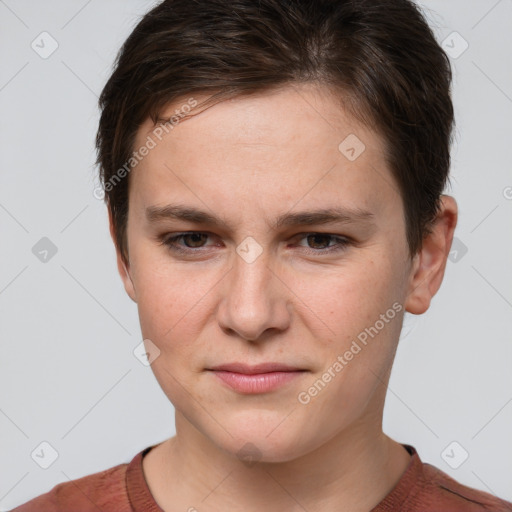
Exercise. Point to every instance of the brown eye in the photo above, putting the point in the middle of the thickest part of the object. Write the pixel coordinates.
(191, 242)
(194, 240)
(319, 243)
(319, 239)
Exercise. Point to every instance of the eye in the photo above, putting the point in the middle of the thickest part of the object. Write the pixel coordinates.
(323, 240)
(193, 240)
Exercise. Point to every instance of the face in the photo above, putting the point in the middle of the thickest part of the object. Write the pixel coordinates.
(258, 279)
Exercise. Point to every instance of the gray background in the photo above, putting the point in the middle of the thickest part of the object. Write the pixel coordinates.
(68, 375)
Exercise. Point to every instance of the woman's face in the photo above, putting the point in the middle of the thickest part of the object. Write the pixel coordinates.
(262, 283)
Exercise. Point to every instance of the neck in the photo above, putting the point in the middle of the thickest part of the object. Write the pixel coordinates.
(353, 471)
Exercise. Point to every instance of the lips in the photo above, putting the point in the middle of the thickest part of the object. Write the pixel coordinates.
(257, 379)
(256, 369)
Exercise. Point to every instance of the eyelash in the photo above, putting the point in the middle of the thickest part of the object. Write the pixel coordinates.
(170, 243)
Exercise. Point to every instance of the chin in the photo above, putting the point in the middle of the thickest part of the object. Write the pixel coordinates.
(257, 444)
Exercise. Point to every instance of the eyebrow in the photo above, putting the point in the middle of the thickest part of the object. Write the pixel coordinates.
(303, 218)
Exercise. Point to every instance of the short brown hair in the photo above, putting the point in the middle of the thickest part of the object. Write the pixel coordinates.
(380, 55)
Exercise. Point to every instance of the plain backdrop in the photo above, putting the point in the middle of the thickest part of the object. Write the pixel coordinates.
(68, 375)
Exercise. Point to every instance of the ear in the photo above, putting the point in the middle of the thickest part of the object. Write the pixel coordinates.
(429, 263)
(122, 267)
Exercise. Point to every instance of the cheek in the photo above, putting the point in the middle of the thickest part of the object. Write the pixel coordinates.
(174, 303)
(346, 298)
(169, 312)
(162, 298)
(360, 311)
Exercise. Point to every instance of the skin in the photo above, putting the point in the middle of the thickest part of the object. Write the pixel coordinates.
(248, 160)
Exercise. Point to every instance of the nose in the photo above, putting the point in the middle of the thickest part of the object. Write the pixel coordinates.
(255, 301)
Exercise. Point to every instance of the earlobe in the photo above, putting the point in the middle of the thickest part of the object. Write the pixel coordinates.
(429, 264)
(122, 266)
(124, 272)
(419, 296)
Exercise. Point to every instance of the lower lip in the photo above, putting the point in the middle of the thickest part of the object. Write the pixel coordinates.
(257, 383)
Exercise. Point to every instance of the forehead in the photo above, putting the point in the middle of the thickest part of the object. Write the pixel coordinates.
(296, 144)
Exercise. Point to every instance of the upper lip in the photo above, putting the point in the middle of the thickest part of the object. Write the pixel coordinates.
(252, 370)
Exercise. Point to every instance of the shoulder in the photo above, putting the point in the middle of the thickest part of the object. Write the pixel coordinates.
(105, 491)
(437, 489)
(425, 488)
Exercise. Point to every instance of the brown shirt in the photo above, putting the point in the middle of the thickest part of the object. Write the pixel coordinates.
(422, 488)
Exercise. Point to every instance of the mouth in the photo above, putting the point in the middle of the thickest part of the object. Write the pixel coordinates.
(261, 378)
